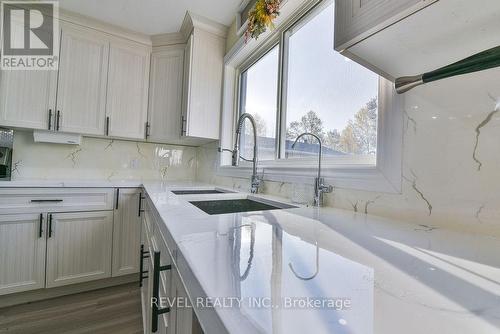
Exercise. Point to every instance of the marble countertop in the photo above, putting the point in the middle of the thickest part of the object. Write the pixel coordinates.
(309, 270)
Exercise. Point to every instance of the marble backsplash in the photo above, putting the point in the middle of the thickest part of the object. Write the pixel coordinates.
(451, 160)
(97, 159)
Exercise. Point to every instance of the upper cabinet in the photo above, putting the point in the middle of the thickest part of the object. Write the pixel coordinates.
(27, 98)
(202, 95)
(104, 85)
(127, 93)
(409, 37)
(81, 89)
(165, 93)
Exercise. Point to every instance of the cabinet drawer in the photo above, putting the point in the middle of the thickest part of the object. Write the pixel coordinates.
(35, 200)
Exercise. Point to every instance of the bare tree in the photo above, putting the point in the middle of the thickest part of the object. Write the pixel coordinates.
(310, 122)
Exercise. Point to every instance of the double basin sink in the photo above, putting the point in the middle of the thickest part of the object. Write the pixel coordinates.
(222, 206)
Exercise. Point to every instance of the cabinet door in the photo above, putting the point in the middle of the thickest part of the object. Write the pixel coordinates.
(27, 98)
(183, 316)
(165, 94)
(127, 95)
(358, 19)
(204, 93)
(126, 232)
(22, 253)
(78, 247)
(81, 92)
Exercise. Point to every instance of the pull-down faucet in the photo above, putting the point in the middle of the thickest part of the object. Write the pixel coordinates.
(319, 186)
(235, 153)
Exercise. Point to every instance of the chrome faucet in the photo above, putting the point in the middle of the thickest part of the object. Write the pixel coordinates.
(319, 186)
(255, 181)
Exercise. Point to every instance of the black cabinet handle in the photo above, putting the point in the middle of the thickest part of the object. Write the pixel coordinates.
(156, 291)
(50, 225)
(183, 126)
(46, 200)
(107, 126)
(142, 272)
(140, 205)
(58, 118)
(147, 130)
(40, 226)
(117, 198)
(50, 119)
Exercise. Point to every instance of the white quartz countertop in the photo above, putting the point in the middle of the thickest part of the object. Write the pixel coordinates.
(308, 270)
(37, 183)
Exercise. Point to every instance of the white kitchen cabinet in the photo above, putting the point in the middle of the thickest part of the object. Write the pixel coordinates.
(22, 252)
(182, 317)
(165, 93)
(202, 93)
(409, 37)
(127, 93)
(81, 89)
(78, 247)
(357, 19)
(126, 232)
(27, 98)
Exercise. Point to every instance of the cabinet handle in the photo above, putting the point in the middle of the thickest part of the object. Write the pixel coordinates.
(183, 126)
(147, 130)
(58, 118)
(142, 272)
(107, 126)
(46, 200)
(50, 225)
(40, 226)
(140, 205)
(50, 119)
(156, 291)
(117, 198)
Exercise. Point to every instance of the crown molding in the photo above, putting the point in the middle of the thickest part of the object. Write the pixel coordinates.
(168, 39)
(192, 20)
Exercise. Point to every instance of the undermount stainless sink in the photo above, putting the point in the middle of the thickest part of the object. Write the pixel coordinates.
(218, 207)
(199, 191)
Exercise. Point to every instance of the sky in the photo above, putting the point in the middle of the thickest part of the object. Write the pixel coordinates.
(319, 79)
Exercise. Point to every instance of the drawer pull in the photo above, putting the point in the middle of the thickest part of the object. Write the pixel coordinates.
(156, 291)
(46, 200)
(143, 255)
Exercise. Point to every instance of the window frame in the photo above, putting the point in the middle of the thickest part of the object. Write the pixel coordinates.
(245, 67)
(349, 172)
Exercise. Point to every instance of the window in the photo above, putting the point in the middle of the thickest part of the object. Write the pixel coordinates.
(323, 93)
(292, 81)
(327, 94)
(258, 97)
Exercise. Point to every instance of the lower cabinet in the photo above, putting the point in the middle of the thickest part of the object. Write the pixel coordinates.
(168, 291)
(92, 238)
(22, 252)
(78, 247)
(126, 232)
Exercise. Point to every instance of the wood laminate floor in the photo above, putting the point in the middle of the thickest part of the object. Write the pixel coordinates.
(106, 311)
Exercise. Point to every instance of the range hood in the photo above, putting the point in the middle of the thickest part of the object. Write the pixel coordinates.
(57, 137)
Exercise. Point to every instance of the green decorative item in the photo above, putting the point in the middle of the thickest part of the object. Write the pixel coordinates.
(261, 17)
(478, 62)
